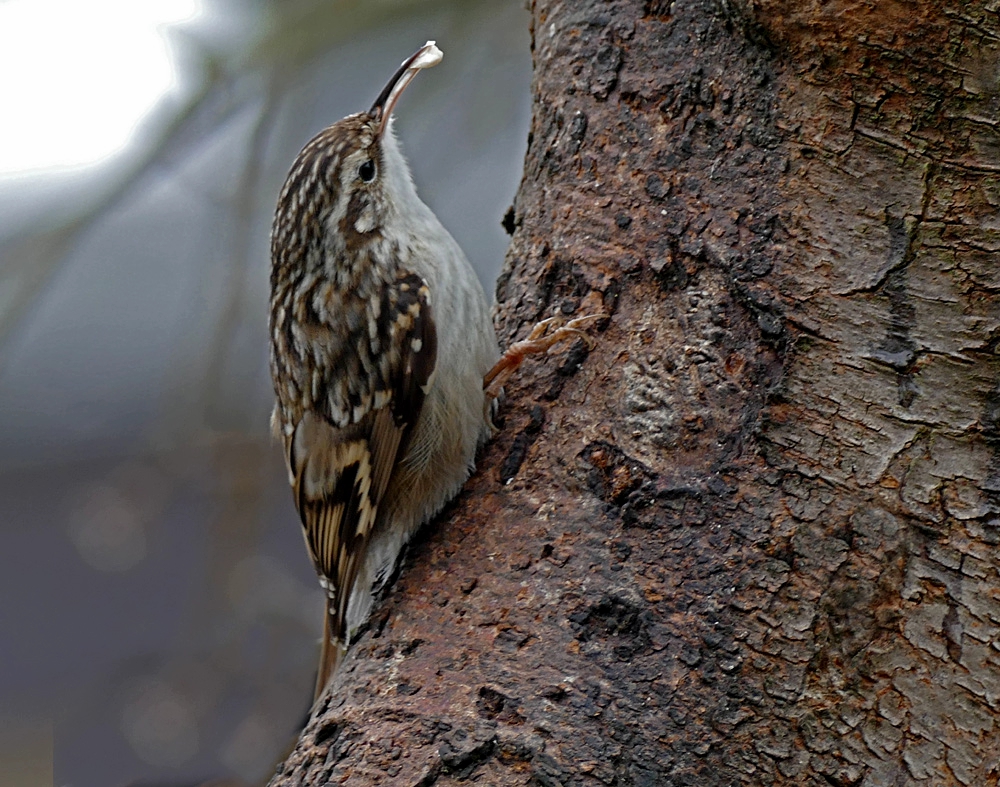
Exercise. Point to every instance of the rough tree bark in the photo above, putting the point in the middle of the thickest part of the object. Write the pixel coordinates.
(751, 538)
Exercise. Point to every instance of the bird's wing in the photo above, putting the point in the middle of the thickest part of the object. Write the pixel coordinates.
(340, 473)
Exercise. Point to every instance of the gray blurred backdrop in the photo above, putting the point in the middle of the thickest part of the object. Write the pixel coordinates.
(157, 609)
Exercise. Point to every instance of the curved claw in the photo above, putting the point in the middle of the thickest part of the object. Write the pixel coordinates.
(538, 341)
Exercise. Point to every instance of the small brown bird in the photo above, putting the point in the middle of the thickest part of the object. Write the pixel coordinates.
(381, 335)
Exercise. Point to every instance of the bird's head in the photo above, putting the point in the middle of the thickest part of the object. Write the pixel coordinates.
(350, 182)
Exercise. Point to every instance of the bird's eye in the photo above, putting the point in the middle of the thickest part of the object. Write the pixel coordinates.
(367, 171)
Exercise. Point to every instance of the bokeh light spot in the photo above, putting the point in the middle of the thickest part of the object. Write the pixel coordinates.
(160, 725)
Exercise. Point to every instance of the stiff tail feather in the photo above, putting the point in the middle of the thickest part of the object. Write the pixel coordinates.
(331, 650)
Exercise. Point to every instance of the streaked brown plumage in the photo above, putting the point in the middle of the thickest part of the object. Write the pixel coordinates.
(380, 413)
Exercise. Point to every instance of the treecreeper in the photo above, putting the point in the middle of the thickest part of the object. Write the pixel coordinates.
(383, 354)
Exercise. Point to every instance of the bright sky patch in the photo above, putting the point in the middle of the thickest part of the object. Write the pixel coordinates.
(76, 77)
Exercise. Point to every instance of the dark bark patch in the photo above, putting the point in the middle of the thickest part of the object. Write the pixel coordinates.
(614, 617)
(656, 188)
(557, 278)
(327, 734)
(575, 357)
(613, 474)
(768, 314)
(461, 752)
(509, 221)
(577, 131)
(658, 8)
(546, 771)
(604, 70)
(569, 306)
(898, 350)
(523, 440)
(612, 293)
(495, 705)
(510, 640)
(639, 509)
(411, 647)
(491, 702)
(671, 274)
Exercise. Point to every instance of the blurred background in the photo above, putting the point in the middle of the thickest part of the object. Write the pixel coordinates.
(158, 614)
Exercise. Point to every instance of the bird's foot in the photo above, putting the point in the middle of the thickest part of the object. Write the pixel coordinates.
(540, 340)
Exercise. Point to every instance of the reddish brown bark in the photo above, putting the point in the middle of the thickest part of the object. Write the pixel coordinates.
(751, 537)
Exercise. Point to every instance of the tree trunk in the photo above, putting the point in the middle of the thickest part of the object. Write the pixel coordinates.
(751, 538)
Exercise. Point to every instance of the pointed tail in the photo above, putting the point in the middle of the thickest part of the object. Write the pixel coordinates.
(331, 650)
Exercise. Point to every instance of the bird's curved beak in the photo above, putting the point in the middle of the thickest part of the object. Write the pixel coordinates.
(428, 55)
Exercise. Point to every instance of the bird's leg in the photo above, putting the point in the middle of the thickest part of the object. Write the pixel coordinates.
(538, 341)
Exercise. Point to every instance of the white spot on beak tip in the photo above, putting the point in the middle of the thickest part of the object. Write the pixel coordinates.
(429, 57)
